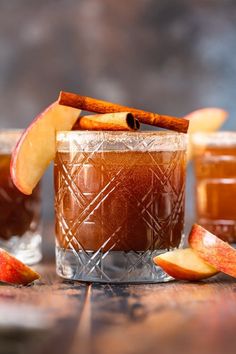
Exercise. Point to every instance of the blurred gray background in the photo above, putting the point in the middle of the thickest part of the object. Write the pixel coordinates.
(169, 56)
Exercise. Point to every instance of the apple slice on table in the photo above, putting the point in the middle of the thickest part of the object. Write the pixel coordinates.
(184, 264)
(213, 250)
(204, 120)
(14, 271)
(37, 146)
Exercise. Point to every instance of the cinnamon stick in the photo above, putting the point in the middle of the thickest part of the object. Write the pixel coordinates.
(110, 121)
(99, 106)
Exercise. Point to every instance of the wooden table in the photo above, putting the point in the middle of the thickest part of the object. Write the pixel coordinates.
(58, 316)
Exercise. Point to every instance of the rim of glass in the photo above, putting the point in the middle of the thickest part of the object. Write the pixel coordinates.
(71, 133)
(8, 139)
(83, 140)
(220, 138)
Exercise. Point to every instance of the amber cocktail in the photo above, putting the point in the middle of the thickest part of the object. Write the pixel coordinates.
(119, 200)
(215, 170)
(19, 214)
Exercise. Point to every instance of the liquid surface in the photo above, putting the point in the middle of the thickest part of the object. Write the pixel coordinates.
(119, 201)
(18, 213)
(215, 169)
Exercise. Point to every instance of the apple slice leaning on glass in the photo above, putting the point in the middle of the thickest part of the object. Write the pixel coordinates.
(37, 145)
(210, 248)
(207, 256)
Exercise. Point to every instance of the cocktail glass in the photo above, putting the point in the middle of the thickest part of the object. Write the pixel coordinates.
(119, 202)
(214, 156)
(20, 228)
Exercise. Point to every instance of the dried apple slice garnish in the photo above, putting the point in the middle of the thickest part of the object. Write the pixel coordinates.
(37, 146)
(204, 120)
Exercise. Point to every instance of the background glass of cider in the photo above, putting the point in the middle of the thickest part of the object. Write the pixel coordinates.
(119, 201)
(214, 156)
(20, 228)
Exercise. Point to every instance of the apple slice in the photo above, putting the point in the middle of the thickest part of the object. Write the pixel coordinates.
(14, 271)
(204, 120)
(37, 146)
(184, 264)
(213, 250)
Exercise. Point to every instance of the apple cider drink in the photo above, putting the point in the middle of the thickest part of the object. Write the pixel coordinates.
(119, 201)
(19, 213)
(215, 170)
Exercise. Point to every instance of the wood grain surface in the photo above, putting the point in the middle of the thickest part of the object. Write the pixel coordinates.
(59, 316)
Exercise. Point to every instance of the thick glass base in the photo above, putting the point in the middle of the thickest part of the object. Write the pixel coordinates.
(26, 248)
(110, 267)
